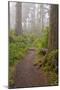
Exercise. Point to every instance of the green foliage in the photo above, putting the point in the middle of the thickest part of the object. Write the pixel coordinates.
(52, 78)
(11, 75)
(37, 43)
(17, 50)
(51, 66)
(51, 60)
(42, 40)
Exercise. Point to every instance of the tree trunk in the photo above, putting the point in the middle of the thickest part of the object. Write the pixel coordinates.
(18, 18)
(53, 33)
(41, 17)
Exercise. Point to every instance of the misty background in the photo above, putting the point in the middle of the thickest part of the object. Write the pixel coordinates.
(31, 16)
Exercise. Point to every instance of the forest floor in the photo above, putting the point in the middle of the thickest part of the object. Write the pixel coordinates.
(27, 75)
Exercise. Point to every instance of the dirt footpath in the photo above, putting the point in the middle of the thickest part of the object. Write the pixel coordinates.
(28, 75)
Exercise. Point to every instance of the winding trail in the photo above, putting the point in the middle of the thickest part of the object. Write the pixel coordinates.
(28, 75)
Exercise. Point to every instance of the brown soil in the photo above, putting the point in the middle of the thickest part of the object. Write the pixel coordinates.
(28, 75)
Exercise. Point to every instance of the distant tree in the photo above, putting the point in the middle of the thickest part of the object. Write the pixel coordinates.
(53, 33)
(18, 18)
(41, 17)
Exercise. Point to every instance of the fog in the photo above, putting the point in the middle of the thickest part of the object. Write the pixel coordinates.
(30, 15)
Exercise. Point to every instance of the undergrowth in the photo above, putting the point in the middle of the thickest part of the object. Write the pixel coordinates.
(49, 64)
